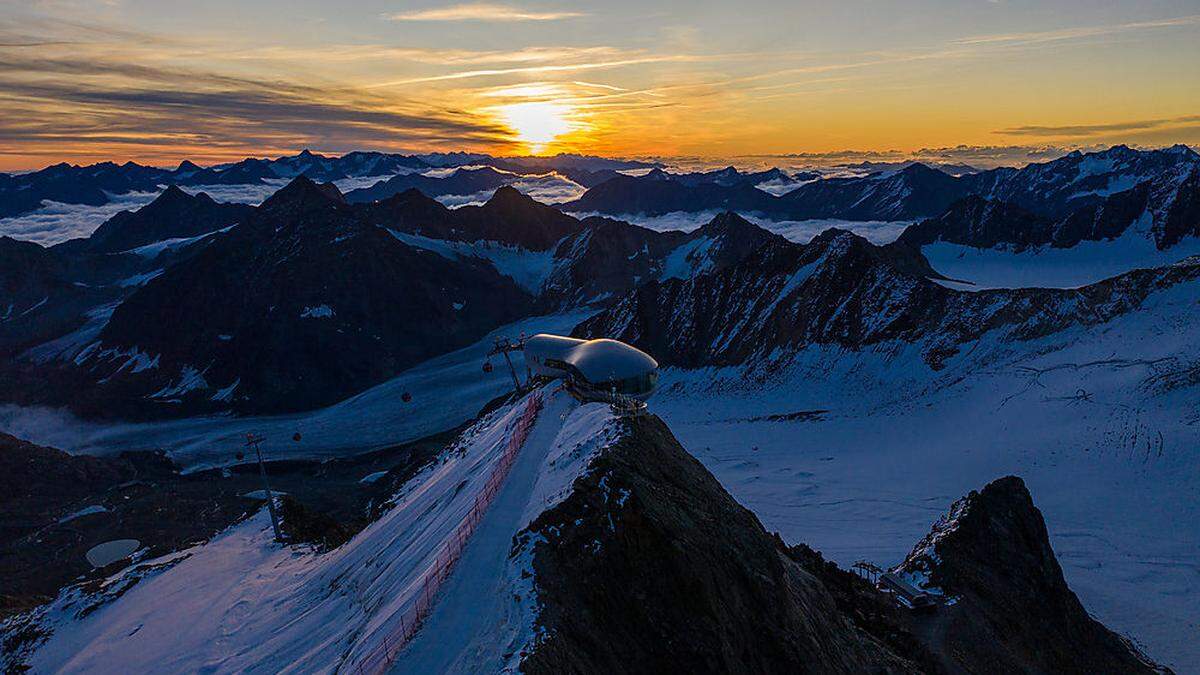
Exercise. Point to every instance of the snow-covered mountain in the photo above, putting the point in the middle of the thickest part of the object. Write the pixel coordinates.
(1164, 208)
(842, 290)
(844, 392)
(658, 192)
(99, 184)
(1060, 186)
(203, 308)
(1051, 189)
(174, 214)
(556, 536)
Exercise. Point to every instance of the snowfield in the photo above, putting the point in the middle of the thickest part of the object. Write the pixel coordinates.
(446, 391)
(866, 450)
(1085, 263)
(242, 603)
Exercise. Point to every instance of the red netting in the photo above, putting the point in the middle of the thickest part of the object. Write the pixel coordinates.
(380, 659)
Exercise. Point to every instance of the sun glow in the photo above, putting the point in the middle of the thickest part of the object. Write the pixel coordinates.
(538, 123)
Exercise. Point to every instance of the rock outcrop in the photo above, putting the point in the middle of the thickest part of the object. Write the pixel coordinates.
(1008, 607)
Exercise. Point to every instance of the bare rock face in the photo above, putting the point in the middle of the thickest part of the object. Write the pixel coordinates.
(1008, 607)
(651, 567)
(841, 290)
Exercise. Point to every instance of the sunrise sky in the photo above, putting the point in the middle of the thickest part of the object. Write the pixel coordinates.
(158, 81)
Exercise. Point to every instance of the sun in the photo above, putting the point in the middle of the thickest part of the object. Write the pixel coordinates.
(537, 123)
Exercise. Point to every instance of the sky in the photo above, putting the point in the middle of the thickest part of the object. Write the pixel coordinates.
(978, 81)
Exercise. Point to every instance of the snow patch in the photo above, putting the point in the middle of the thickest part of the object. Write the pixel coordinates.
(85, 511)
(317, 312)
(529, 269)
(190, 379)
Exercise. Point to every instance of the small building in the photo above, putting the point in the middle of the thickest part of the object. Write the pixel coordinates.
(905, 593)
(593, 366)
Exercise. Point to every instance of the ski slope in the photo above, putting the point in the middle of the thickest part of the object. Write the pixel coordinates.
(478, 624)
(242, 603)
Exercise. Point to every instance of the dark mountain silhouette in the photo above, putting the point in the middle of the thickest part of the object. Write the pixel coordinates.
(173, 214)
(1167, 207)
(1012, 609)
(460, 182)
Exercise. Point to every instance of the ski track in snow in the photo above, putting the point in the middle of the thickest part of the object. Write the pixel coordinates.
(241, 603)
(475, 625)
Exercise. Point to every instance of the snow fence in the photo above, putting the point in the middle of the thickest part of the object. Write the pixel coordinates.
(380, 659)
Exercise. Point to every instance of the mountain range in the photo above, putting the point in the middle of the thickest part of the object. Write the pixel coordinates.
(96, 184)
(188, 305)
(1051, 189)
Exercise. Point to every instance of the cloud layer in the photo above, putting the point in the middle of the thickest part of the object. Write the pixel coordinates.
(481, 11)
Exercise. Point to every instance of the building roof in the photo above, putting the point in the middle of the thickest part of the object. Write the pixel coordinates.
(601, 360)
(604, 360)
(544, 345)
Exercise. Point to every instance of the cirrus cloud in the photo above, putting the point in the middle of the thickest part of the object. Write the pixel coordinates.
(482, 11)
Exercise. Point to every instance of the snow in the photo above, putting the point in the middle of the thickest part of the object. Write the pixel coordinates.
(1113, 469)
(242, 603)
(73, 345)
(34, 307)
(688, 260)
(190, 379)
(140, 279)
(1085, 263)
(317, 312)
(226, 394)
(447, 391)
(85, 511)
(478, 624)
(261, 495)
(150, 251)
(372, 477)
(529, 269)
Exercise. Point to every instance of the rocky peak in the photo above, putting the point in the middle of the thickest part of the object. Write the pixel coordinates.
(1010, 606)
(983, 223)
(1183, 150)
(303, 194)
(172, 214)
(508, 197)
(173, 197)
(650, 566)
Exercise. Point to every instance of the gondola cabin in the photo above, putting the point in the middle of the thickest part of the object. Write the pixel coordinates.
(593, 366)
